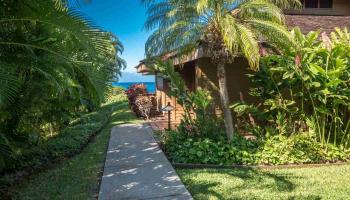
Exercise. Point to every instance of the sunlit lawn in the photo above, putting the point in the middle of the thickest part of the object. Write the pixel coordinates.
(77, 178)
(330, 182)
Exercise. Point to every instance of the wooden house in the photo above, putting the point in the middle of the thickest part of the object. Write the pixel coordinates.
(198, 71)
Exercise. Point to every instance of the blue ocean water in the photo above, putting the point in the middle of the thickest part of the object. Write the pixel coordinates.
(151, 86)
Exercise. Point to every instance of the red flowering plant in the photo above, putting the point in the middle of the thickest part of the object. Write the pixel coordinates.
(135, 92)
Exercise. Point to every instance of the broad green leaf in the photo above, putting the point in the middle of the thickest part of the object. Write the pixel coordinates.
(316, 84)
(316, 69)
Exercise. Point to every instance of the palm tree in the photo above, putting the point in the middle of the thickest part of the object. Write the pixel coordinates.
(53, 61)
(70, 40)
(225, 29)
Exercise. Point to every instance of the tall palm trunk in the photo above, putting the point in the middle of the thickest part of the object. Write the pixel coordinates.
(221, 73)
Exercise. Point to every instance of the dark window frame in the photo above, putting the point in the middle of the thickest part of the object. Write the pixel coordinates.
(325, 3)
(317, 3)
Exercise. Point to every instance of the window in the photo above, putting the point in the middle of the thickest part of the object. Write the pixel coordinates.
(318, 3)
(311, 3)
(160, 82)
(326, 3)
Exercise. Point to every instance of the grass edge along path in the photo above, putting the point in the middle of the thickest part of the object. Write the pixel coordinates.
(327, 182)
(79, 177)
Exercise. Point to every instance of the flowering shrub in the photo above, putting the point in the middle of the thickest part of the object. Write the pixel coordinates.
(140, 102)
(135, 90)
(144, 106)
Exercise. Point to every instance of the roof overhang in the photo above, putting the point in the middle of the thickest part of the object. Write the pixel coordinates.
(142, 68)
(192, 56)
(175, 58)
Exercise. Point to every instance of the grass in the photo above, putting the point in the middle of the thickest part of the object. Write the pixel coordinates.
(328, 182)
(79, 177)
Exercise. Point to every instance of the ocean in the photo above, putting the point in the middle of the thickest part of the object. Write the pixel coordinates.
(151, 86)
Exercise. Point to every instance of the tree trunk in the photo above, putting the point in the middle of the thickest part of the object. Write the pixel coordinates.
(225, 100)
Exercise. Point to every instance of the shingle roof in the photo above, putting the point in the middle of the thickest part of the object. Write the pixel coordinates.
(309, 23)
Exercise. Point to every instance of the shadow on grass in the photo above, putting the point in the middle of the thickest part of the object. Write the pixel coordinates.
(122, 115)
(204, 188)
(308, 197)
(79, 175)
(241, 184)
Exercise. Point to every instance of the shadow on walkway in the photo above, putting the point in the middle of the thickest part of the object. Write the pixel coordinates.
(136, 168)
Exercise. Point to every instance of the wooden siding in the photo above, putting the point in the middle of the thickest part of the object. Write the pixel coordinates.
(342, 6)
(203, 74)
(238, 83)
(187, 72)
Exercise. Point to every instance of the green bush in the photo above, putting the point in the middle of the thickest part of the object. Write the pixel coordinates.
(296, 149)
(198, 103)
(183, 149)
(305, 88)
(55, 64)
(67, 142)
(274, 150)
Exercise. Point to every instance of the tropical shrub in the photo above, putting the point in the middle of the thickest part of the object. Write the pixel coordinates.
(299, 148)
(144, 105)
(199, 117)
(134, 91)
(275, 150)
(305, 89)
(54, 66)
(203, 121)
(182, 148)
(302, 117)
(139, 102)
(67, 142)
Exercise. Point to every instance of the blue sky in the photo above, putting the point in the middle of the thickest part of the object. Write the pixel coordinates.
(125, 18)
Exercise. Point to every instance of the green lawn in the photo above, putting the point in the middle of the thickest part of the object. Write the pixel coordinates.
(77, 178)
(329, 182)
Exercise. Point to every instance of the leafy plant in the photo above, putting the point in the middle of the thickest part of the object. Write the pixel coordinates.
(306, 88)
(139, 102)
(144, 104)
(134, 91)
(67, 142)
(54, 65)
(184, 149)
(274, 150)
(198, 117)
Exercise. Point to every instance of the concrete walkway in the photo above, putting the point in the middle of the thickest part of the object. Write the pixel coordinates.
(136, 168)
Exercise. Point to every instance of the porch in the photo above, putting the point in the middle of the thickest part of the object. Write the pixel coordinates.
(161, 123)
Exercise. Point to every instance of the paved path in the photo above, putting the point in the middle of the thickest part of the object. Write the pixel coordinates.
(136, 168)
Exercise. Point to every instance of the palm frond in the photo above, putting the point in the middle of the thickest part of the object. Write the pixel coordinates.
(287, 4)
(260, 9)
(249, 46)
(274, 33)
(230, 34)
(9, 84)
